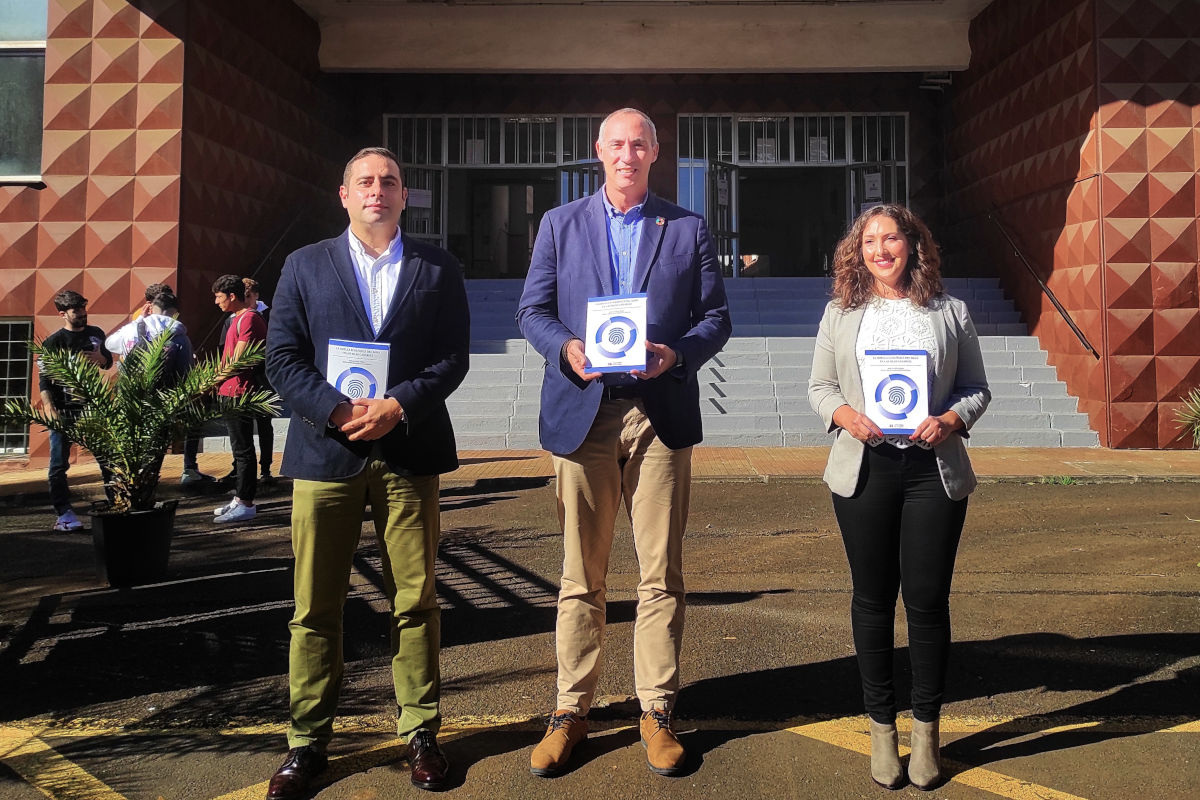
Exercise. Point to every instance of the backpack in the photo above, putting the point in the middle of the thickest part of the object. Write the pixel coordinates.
(177, 353)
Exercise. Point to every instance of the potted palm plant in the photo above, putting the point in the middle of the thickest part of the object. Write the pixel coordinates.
(128, 424)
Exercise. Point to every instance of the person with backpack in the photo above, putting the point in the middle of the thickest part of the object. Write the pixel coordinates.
(161, 315)
(246, 328)
(162, 319)
(263, 424)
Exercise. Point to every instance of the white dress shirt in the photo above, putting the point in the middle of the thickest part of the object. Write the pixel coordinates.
(377, 277)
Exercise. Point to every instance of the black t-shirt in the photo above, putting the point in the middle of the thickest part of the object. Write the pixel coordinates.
(90, 338)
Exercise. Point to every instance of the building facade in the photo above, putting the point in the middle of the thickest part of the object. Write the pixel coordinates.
(177, 140)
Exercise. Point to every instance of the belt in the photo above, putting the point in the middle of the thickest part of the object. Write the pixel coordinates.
(622, 392)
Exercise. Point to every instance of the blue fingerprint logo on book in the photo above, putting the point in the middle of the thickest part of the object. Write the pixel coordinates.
(616, 337)
(896, 395)
(356, 382)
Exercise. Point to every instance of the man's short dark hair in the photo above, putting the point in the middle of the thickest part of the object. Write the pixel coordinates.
(67, 300)
(230, 284)
(166, 301)
(155, 289)
(371, 151)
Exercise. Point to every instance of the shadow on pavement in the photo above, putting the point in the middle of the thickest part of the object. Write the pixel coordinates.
(1140, 671)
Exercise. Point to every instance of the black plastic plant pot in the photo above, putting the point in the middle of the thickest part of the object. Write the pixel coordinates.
(133, 548)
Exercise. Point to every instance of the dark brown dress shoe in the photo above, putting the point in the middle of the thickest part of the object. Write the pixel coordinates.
(292, 780)
(429, 766)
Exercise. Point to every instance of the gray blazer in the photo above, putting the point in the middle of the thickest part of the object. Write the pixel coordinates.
(959, 384)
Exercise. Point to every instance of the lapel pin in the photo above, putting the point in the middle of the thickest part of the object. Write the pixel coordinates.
(660, 222)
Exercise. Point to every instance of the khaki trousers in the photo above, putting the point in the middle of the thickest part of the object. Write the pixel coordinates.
(326, 525)
(621, 458)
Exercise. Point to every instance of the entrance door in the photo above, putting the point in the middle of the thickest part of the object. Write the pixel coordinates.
(424, 212)
(722, 214)
(577, 180)
(872, 184)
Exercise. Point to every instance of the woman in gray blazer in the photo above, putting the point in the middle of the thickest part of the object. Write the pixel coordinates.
(900, 498)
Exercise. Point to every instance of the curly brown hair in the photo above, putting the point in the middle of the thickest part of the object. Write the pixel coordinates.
(853, 283)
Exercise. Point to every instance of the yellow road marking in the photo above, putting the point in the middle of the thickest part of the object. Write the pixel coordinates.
(51, 729)
(42, 767)
(23, 748)
(836, 732)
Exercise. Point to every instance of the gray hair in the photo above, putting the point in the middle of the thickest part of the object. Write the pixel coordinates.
(645, 119)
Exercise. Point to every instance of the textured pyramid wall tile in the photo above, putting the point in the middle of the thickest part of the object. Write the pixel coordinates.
(1112, 90)
(103, 87)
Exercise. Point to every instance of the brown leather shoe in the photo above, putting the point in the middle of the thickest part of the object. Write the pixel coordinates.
(566, 729)
(664, 754)
(428, 765)
(292, 780)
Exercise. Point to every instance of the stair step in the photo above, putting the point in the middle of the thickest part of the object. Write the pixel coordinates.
(754, 393)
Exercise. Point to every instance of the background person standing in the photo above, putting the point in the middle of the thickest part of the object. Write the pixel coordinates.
(246, 328)
(263, 425)
(78, 337)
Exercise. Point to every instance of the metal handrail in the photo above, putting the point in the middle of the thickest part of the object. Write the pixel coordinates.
(992, 215)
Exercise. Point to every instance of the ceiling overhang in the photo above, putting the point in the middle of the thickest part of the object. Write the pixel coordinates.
(631, 36)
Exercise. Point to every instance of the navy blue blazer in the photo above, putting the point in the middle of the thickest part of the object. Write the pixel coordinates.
(428, 327)
(686, 309)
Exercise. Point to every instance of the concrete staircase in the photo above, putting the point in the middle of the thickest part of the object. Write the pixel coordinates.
(755, 392)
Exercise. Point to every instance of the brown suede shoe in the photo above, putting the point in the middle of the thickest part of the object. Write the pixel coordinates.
(664, 753)
(427, 764)
(294, 778)
(566, 730)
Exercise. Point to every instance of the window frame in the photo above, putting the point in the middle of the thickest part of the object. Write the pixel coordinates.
(30, 47)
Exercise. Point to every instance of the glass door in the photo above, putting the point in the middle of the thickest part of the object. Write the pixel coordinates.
(871, 184)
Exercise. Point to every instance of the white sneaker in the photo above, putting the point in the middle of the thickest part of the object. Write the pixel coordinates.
(239, 513)
(225, 508)
(67, 522)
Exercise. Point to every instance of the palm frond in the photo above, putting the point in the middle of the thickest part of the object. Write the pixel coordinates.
(128, 423)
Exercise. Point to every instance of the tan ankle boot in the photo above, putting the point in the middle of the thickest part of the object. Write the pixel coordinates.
(664, 753)
(885, 756)
(925, 761)
(566, 729)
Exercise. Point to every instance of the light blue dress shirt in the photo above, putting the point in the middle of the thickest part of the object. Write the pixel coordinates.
(624, 236)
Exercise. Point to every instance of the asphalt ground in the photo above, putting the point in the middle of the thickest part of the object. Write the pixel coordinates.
(1075, 668)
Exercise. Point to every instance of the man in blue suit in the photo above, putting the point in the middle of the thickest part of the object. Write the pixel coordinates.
(622, 435)
(380, 291)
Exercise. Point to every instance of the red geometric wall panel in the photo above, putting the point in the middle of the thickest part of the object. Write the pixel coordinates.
(1148, 74)
(1104, 200)
(255, 148)
(111, 77)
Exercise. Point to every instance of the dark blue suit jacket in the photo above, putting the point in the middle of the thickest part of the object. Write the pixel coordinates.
(686, 309)
(428, 327)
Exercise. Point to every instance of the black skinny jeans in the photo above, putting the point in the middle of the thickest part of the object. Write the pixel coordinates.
(901, 532)
(241, 442)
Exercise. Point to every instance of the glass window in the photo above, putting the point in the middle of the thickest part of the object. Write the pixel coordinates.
(22, 79)
(16, 371)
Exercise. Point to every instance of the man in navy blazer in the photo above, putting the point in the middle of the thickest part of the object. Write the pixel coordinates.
(628, 435)
(378, 288)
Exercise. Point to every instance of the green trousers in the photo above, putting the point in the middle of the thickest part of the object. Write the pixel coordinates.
(326, 525)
